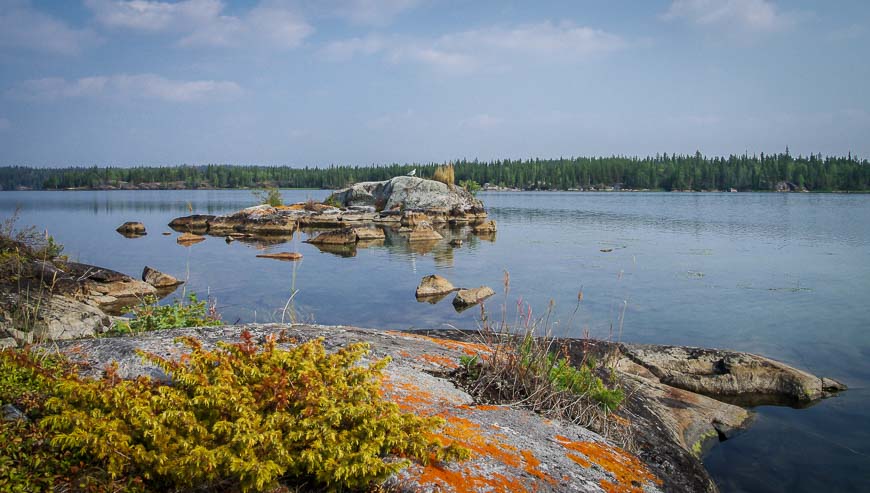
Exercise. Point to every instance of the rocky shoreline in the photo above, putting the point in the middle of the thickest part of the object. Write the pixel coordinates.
(666, 412)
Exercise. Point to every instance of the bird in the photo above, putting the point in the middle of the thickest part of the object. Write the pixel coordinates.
(413, 172)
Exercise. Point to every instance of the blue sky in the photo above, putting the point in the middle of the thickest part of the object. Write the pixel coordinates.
(147, 82)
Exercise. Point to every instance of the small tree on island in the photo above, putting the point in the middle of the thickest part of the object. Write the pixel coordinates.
(269, 196)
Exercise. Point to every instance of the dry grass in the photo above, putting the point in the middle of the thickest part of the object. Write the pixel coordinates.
(530, 368)
(444, 174)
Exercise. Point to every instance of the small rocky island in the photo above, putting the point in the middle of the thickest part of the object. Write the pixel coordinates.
(415, 208)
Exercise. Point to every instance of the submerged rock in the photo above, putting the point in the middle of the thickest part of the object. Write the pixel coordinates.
(424, 232)
(187, 239)
(434, 285)
(486, 227)
(281, 255)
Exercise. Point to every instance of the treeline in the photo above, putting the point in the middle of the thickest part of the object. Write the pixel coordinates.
(662, 171)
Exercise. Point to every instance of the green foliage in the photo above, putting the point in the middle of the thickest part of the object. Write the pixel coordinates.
(28, 461)
(148, 316)
(564, 376)
(662, 171)
(470, 186)
(331, 201)
(269, 196)
(247, 414)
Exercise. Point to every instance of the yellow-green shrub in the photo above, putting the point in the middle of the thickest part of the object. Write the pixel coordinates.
(249, 414)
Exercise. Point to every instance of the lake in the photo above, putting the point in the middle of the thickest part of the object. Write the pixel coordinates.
(783, 275)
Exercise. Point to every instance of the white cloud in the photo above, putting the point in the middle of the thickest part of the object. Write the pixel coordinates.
(494, 47)
(373, 12)
(21, 26)
(125, 87)
(204, 23)
(752, 15)
(5, 124)
(350, 48)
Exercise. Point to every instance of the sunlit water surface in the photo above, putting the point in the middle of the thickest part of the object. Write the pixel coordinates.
(783, 275)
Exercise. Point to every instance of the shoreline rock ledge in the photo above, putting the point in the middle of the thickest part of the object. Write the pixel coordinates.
(512, 449)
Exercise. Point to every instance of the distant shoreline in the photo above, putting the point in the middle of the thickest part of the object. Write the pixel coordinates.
(851, 192)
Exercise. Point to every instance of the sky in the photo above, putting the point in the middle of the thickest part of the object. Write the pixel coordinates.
(319, 82)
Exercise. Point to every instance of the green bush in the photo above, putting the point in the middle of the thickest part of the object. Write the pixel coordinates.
(243, 417)
(269, 196)
(148, 316)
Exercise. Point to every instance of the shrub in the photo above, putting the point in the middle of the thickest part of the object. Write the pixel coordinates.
(148, 316)
(269, 196)
(470, 186)
(245, 414)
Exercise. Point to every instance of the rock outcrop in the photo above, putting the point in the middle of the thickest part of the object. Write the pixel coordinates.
(730, 374)
(512, 449)
(424, 232)
(407, 192)
(485, 227)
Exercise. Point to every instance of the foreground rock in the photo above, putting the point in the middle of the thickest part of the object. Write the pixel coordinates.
(50, 317)
(469, 297)
(158, 279)
(512, 449)
(434, 285)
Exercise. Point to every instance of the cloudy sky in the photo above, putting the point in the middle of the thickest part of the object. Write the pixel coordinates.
(314, 82)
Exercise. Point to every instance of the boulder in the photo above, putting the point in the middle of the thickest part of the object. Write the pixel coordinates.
(187, 239)
(406, 192)
(424, 232)
(434, 285)
(468, 297)
(485, 227)
(281, 255)
(364, 234)
(158, 279)
(131, 228)
(192, 223)
(338, 237)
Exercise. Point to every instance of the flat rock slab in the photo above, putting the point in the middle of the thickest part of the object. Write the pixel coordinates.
(513, 450)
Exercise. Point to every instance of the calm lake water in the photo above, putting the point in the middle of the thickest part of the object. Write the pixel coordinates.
(783, 275)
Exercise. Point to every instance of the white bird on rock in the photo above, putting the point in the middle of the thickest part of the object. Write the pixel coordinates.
(413, 172)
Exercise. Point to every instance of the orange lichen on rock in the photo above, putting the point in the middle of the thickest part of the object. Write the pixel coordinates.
(469, 348)
(630, 473)
(532, 464)
(467, 480)
(481, 407)
(438, 360)
(580, 460)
